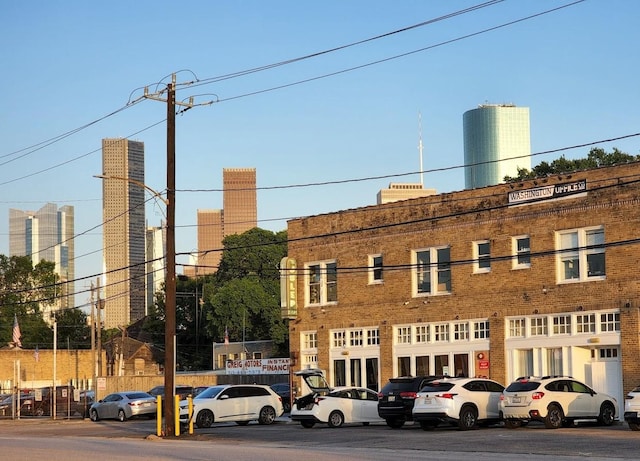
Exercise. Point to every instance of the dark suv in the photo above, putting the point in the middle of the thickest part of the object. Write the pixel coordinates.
(396, 399)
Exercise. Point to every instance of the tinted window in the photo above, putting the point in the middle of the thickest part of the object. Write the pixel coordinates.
(437, 387)
(250, 392)
(209, 392)
(494, 387)
(137, 395)
(523, 386)
(399, 384)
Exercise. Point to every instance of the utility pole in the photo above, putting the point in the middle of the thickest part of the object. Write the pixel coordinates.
(170, 282)
(99, 307)
(93, 341)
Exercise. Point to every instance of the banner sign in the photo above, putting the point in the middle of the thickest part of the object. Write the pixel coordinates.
(548, 192)
(276, 366)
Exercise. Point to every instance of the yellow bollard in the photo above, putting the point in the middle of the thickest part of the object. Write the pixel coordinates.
(190, 400)
(159, 416)
(176, 414)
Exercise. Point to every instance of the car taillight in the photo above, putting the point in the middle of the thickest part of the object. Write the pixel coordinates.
(380, 395)
(502, 397)
(446, 396)
(317, 400)
(134, 404)
(408, 395)
(537, 395)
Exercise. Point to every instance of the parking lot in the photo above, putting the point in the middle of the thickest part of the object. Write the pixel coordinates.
(584, 441)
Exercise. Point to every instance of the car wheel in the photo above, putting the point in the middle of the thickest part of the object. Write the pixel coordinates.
(242, 423)
(607, 414)
(204, 419)
(122, 417)
(286, 406)
(512, 423)
(336, 419)
(307, 424)
(39, 411)
(468, 418)
(554, 417)
(267, 415)
(634, 426)
(395, 423)
(93, 415)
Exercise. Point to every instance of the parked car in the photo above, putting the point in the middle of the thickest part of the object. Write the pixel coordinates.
(341, 405)
(555, 400)
(181, 390)
(284, 391)
(123, 406)
(26, 405)
(397, 397)
(464, 402)
(240, 403)
(87, 398)
(64, 401)
(632, 409)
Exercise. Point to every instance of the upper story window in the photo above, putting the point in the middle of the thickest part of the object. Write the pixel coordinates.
(481, 256)
(521, 250)
(422, 334)
(580, 255)
(375, 269)
(539, 326)
(481, 329)
(322, 283)
(432, 274)
(404, 335)
(561, 324)
(310, 340)
(355, 338)
(461, 331)
(373, 337)
(516, 328)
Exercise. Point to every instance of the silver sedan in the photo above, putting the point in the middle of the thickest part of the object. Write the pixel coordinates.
(124, 405)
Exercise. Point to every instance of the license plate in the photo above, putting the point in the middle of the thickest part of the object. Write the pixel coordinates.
(392, 398)
(427, 400)
(515, 399)
(146, 404)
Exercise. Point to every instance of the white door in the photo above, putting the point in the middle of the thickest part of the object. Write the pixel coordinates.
(606, 376)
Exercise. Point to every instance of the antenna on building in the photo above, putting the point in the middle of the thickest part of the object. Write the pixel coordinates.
(420, 145)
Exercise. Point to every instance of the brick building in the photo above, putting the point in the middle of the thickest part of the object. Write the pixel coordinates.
(528, 278)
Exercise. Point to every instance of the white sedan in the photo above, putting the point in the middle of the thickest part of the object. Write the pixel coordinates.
(341, 405)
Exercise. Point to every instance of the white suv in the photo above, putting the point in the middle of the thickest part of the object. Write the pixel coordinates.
(632, 409)
(240, 403)
(555, 400)
(465, 402)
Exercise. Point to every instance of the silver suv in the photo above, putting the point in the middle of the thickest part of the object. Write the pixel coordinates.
(555, 400)
(632, 409)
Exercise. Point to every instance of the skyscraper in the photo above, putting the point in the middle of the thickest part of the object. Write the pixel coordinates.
(123, 212)
(156, 261)
(47, 234)
(496, 143)
(239, 214)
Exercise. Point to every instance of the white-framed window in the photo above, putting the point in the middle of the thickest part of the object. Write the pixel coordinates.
(441, 332)
(422, 334)
(461, 331)
(432, 274)
(481, 329)
(562, 325)
(310, 360)
(580, 255)
(310, 340)
(403, 335)
(339, 338)
(322, 283)
(538, 326)
(373, 337)
(610, 321)
(375, 269)
(516, 328)
(481, 256)
(585, 323)
(355, 338)
(521, 250)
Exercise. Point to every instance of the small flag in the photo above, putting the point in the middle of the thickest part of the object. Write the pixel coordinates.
(226, 336)
(36, 354)
(17, 337)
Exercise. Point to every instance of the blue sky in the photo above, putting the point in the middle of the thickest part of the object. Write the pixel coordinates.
(70, 63)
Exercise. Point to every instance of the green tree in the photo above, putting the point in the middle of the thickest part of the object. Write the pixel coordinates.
(23, 290)
(596, 158)
(245, 294)
(73, 330)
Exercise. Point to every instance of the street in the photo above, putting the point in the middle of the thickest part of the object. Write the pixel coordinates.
(284, 440)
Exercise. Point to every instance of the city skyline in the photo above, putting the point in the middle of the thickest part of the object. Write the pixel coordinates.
(328, 119)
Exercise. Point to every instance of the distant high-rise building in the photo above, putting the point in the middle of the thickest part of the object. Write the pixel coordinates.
(47, 234)
(123, 208)
(496, 143)
(239, 214)
(403, 191)
(156, 262)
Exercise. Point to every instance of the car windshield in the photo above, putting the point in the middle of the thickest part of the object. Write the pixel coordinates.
(209, 392)
(437, 387)
(397, 384)
(523, 386)
(138, 395)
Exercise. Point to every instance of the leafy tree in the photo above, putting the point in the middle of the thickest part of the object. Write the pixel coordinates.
(73, 330)
(23, 289)
(245, 296)
(596, 158)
